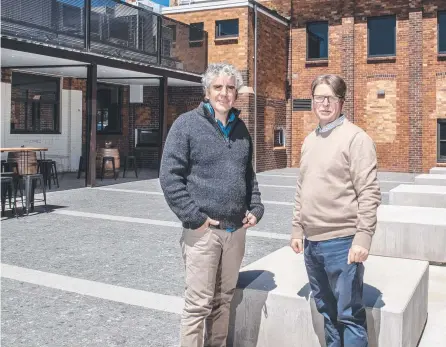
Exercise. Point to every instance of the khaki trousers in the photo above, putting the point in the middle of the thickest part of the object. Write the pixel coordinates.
(212, 262)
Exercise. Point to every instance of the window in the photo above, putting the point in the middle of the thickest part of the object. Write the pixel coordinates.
(442, 32)
(71, 17)
(381, 36)
(196, 32)
(172, 32)
(34, 103)
(226, 28)
(279, 138)
(109, 107)
(119, 29)
(441, 140)
(317, 40)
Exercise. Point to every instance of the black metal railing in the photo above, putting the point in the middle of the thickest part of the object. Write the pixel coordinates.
(108, 27)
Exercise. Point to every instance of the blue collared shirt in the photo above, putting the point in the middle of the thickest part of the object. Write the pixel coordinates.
(225, 129)
(331, 125)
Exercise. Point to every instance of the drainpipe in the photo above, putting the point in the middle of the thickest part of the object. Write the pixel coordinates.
(255, 87)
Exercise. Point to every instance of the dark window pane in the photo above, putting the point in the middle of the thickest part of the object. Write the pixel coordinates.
(172, 32)
(224, 28)
(35, 103)
(442, 32)
(119, 29)
(317, 40)
(442, 127)
(381, 36)
(109, 107)
(279, 139)
(443, 149)
(95, 23)
(196, 32)
(71, 17)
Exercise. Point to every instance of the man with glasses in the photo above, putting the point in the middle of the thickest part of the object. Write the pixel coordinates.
(336, 201)
(209, 183)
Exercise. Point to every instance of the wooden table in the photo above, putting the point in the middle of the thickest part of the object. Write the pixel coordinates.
(26, 164)
(23, 149)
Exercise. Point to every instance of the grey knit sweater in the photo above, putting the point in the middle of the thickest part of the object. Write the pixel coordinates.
(205, 175)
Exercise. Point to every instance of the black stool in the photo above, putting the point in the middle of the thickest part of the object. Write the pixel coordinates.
(8, 183)
(48, 169)
(81, 167)
(104, 160)
(30, 186)
(10, 166)
(130, 159)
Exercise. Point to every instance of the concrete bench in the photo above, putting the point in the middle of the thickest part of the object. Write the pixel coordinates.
(273, 306)
(410, 232)
(432, 180)
(438, 170)
(418, 195)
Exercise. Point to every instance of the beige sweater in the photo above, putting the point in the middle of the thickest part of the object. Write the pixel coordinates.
(337, 191)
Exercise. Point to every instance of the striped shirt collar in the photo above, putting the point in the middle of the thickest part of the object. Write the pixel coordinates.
(331, 125)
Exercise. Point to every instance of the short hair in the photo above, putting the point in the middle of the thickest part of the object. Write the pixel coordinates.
(335, 82)
(216, 70)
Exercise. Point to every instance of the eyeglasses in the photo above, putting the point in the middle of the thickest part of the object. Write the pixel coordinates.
(321, 98)
(229, 89)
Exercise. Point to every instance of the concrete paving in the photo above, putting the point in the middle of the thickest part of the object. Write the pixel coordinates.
(418, 195)
(267, 311)
(122, 234)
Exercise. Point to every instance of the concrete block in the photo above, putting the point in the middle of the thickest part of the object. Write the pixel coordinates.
(438, 171)
(418, 195)
(410, 232)
(273, 305)
(432, 180)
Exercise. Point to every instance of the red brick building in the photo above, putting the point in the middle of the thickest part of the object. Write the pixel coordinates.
(232, 28)
(392, 55)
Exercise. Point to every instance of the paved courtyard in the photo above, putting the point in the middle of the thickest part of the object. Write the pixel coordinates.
(104, 268)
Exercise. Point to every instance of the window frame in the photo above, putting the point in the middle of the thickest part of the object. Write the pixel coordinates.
(307, 41)
(282, 136)
(193, 26)
(221, 37)
(35, 123)
(440, 159)
(390, 55)
(120, 89)
(173, 27)
(438, 30)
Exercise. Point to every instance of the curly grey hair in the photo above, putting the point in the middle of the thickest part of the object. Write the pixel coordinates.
(217, 69)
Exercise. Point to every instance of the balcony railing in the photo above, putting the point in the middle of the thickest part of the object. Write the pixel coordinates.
(107, 27)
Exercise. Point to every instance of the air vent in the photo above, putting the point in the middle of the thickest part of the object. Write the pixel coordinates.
(301, 104)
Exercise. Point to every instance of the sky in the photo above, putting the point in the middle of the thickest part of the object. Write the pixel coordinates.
(162, 2)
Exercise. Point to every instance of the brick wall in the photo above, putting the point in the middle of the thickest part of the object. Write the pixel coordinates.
(433, 83)
(272, 55)
(146, 115)
(403, 123)
(233, 51)
(272, 65)
(282, 7)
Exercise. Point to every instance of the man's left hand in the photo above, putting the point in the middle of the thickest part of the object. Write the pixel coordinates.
(249, 221)
(357, 254)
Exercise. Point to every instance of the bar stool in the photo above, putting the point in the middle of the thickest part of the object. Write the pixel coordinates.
(105, 160)
(48, 169)
(8, 182)
(130, 160)
(81, 167)
(30, 186)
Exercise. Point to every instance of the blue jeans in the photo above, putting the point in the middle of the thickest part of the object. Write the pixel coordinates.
(337, 290)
